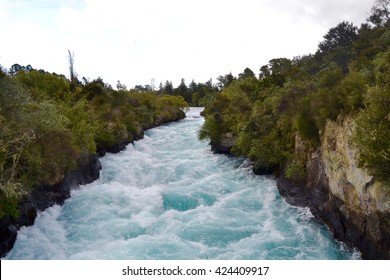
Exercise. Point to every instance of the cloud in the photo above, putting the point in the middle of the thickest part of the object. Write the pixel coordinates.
(324, 12)
(135, 41)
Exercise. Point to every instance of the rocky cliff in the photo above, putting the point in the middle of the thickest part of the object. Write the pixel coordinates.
(354, 206)
(45, 196)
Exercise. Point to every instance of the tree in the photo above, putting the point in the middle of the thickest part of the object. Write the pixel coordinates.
(192, 87)
(12, 145)
(373, 123)
(275, 72)
(182, 90)
(338, 43)
(341, 36)
(141, 88)
(209, 84)
(279, 66)
(246, 74)
(168, 87)
(264, 72)
(224, 81)
(2, 72)
(74, 81)
(97, 88)
(380, 13)
(120, 86)
(152, 84)
(72, 72)
(15, 69)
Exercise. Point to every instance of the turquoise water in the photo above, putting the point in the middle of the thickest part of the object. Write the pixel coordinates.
(169, 197)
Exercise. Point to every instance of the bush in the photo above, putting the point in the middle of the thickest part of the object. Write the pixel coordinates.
(373, 124)
(45, 128)
(307, 128)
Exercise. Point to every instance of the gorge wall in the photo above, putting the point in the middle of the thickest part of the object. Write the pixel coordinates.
(351, 203)
(354, 206)
(46, 196)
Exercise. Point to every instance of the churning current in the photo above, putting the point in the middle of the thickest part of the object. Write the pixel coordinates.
(169, 197)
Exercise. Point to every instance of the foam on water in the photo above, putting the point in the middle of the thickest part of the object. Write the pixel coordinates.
(168, 197)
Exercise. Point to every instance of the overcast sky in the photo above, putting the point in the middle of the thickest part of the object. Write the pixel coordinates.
(136, 40)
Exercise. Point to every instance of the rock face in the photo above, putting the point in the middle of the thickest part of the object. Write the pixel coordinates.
(349, 201)
(363, 204)
(225, 145)
(45, 196)
(353, 205)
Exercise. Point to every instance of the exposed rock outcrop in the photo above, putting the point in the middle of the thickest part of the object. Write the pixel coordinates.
(354, 206)
(45, 196)
(225, 145)
(345, 197)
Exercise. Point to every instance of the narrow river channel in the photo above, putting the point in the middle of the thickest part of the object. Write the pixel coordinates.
(169, 197)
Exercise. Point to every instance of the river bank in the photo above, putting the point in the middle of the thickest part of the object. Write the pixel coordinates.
(45, 196)
(353, 205)
(169, 197)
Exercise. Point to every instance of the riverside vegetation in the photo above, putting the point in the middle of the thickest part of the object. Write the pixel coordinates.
(321, 123)
(51, 126)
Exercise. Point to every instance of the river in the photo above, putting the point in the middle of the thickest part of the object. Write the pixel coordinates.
(168, 196)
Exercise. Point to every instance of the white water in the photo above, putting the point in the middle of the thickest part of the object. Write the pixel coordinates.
(169, 197)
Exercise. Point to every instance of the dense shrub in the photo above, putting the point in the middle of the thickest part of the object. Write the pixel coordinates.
(348, 75)
(47, 126)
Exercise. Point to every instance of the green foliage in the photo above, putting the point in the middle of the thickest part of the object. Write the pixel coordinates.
(225, 80)
(351, 90)
(82, 125)
(12, 146)
(348, 75)
(183, 91)
(215, 124)
(2, 73)
(196, 94)
(248, 73)
(337, 44)
(341, 36)
(324, 100)
(296, 170)
(373, 123)
(46, 129)
(380, 13)
(307, 128)
(9, 207)
(42, 85)
(96, 91)
(173, 101)
(255, 124)
(168, 88)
